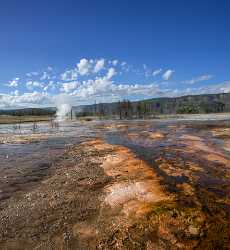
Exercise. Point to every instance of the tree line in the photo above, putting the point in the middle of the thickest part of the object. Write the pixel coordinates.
(29, 112)
(126, 109)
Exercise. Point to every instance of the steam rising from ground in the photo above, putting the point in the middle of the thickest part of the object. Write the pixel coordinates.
(62, 111)
(64, 105)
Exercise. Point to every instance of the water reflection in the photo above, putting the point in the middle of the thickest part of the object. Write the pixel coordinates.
(27, 151)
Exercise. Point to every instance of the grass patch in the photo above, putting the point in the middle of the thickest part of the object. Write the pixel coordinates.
(7, 119)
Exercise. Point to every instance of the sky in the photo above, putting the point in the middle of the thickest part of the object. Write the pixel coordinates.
(82, 52)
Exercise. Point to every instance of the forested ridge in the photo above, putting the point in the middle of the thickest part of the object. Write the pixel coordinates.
(192, 104)
(29, 111)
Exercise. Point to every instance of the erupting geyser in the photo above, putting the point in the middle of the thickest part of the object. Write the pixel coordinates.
(63, 112)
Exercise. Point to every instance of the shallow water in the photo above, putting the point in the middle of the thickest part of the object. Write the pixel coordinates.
(168, 175)
(27, 155)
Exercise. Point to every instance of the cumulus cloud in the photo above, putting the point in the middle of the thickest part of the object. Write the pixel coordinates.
(30, 74)
(49, 86)
(99, 65)
(168, 74)
(14, 82)
(216, 88)
(198, 79)
(115, 62)
(33, 99)
(147, 71)
(111, 73)
(156, 72)
(69, 75)
(34, 84)
(125, 66)
(84, 66)
(104, 90)
(16, 92)
(67, 87)
(93, 80)
(45, 76)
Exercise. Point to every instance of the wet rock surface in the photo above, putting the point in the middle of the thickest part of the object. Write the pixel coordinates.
(129, 185)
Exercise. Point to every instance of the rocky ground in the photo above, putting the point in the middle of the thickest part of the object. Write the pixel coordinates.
(142, 189)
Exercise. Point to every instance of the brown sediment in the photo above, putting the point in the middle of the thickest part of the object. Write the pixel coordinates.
(123, 125)
(147, 135)
(52, 215)
(155, 135)
(113, 126)
(134, 180)
(142, 215)
(196, 144)
(224, 134)
(23, 139)
(221, 132)
(133, 136)
(102, 196)
(227, 145)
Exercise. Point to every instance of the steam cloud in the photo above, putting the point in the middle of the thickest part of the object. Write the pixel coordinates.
(62, 111)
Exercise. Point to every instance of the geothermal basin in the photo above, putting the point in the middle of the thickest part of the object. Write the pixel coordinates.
(137, 184)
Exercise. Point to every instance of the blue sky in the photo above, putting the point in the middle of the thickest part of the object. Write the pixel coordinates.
(87, 51)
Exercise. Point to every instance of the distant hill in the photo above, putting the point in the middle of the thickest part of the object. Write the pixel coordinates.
(191, 104)
(29, 111)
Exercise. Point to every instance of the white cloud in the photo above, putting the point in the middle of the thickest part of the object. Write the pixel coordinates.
(89, 66)
(14, 82)
(45, 76)
(156, 72)
(68, 87)
(69, 75)
(50, 85)
(103, 89)
(150, 72)
(198, 79)
(111, 72)
(84, 66)
(92, 79)
(46, 88)
(30, 74)
(99, 65)
(168, 74)
(147, 71)
(125, 67)
(15, 92)
(216, 88)
(210, 89)
(33, 99)
(34, 84)
(49, 68)
(115, 62)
